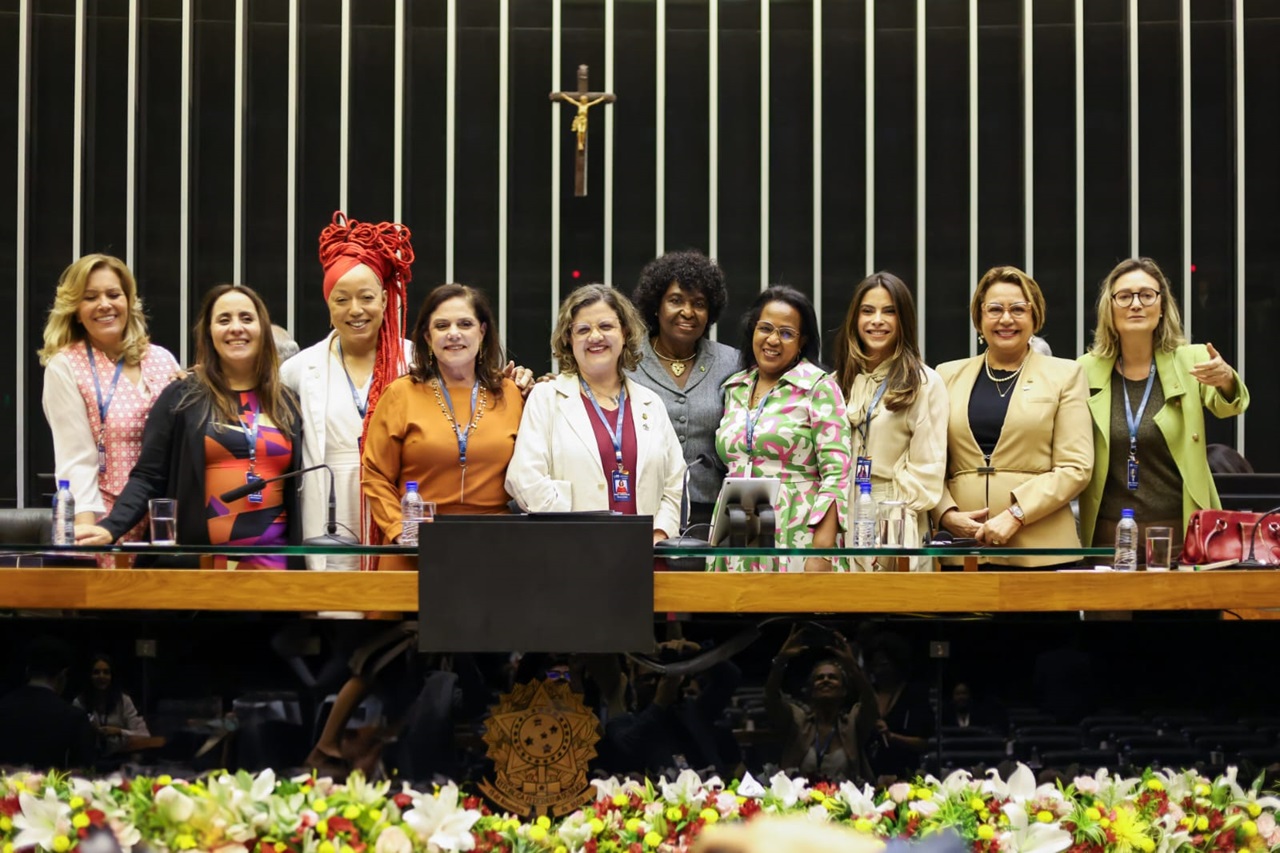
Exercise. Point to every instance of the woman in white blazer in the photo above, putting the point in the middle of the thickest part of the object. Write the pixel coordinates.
(592, 439)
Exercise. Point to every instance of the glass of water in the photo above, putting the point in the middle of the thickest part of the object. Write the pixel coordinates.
(1159, 549)
(164, 521)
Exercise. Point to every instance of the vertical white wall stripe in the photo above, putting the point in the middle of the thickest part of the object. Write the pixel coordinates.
(131, 146)
(608, 116)
(1028, 138)
(1237, 21)
(659, 127)
(1078, 15)
(922, 170)
(1132, 24)
(817, 159)
(504, 72)
(20, 252)
(77, 136)
(713, 136)
(450, 133)
(291, 178)
(1184, 20)
(973, 162)
(869, 122)
(237, 157)
(397, 120)
(555, 168)
(184, 190)
(344, 104)
(764, 144)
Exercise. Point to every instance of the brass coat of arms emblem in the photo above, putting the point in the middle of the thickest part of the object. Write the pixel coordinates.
(540, 739)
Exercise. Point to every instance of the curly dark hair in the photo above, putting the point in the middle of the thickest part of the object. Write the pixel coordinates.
(694, 272)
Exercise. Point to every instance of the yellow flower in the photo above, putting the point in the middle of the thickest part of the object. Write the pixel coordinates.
(976, 804)
(741, 800)
(1202, 823)
(543, 821)
(320, 805)
(561, 849)
(1092, 813)
(281, 847)
(80, 821)
(375, 815)
(863, 825)
(164, 779)
(597, 825)
(1155, 785)
(984, 815)
(924, 794)
(5, 823)
(709, 815)
(1249, 828)
(351, 812)
(674, 814)
(511, 825)
(61, 844)
(537, 833)
(1105, 822)
(326, 846)
(1186, 822)
(1146, 845)
(652, 839)
(76, 802)
(182, 842)
(1203, 790)
(8, 847)
(322, 829)
(817, 796)
(346, 848)
(986, 832)
(306, 789)
(1129, 828)
(621, 800)
(1253, 809)
(633, 825)
(1044, 816)
(912, 813)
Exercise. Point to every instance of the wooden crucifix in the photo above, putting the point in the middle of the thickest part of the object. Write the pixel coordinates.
(583, 100)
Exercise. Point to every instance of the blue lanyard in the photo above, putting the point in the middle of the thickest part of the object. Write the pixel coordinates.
(1129, 417)
(355, 395)
(253, 437)
(615, 433)
(864, 428)
(819, 752)
(103, 404)
(752, 420)
(464, 435)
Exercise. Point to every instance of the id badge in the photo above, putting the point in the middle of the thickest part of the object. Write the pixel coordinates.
(102, 459)
(1133, 474)
(862, 470)
(254, 497)
(621, 485)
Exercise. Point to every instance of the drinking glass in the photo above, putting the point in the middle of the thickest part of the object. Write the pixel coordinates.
(893, 521)
(164, 521)
(1159, 549)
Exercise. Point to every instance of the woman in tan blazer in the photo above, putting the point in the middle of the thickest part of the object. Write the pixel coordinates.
(1019, 435)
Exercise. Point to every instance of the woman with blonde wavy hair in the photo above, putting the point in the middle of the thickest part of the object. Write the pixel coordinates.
(102, 375)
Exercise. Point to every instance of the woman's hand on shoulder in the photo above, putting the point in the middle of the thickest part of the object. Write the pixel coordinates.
(965, 524)
(92, 534)
(521, 376)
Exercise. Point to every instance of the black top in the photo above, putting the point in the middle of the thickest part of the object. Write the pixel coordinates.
(987, 408)
(1159, 493)
(40, 729)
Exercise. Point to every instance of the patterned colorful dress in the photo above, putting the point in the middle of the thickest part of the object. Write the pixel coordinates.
(802, 438)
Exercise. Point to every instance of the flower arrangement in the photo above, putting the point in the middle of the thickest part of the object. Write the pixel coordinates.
(1158, 812)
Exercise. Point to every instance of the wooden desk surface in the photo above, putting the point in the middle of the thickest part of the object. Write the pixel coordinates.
(951, 592)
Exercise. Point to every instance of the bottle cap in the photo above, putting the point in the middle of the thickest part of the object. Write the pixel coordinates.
(1126, 513)
(411, 485)
(64, 484)
(864, 487)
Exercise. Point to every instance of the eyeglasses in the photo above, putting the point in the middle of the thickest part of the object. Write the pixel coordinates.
(768, 330)
(558, 675)
(1147, 297)
(1016, 310)
(582, 330)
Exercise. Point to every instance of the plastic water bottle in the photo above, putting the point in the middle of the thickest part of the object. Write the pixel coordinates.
(1126, 559)
(864, 518)
(410, 513)
(64, 515)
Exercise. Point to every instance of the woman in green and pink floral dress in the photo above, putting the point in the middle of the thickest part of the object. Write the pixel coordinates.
(784, 417)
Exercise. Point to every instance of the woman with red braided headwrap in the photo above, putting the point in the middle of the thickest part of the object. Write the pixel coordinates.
(340, 379)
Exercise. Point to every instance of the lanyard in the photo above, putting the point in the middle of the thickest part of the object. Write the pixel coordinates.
(252, 434)
(753, 419)
(864, 428)
(361, 408)
(1129, 417)
(464, 435)
(615, 433)
(819, 752)
(103, 404)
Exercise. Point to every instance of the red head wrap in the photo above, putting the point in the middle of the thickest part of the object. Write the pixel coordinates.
(385, 249)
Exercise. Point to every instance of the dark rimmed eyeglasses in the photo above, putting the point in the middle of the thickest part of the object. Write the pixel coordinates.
(1146, 297)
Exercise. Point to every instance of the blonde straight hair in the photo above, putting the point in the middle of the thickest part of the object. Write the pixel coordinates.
(63, 327)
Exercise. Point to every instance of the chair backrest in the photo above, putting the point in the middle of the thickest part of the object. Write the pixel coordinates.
(26, 526)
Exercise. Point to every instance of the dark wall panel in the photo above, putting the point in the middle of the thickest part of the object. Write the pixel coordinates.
(476, 187)
(105, 127)
(266, 156)
(10, 405)
(688, 160)
(791, 146)
(895, 248)
(634, 138)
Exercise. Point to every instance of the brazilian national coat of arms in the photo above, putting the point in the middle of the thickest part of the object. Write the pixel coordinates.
(540, 739)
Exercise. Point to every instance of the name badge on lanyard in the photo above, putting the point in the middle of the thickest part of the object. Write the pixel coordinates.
(862, 469)
(104, 405)
(251, 476)
(620, 477)
(1133, 421)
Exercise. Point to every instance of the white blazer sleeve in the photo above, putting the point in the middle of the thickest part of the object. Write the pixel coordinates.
(75, 452)
(531, 476)
(919, 482)
(667, 518)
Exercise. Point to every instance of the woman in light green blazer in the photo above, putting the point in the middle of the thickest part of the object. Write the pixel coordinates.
(1148, 392)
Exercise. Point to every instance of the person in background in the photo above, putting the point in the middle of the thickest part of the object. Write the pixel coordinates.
(286, 346)
(906, 719)
(229, 423)
(110, 709)
(897, 407)
(1148, 435)
(680, 296)
(38, 728)
(963, 711)
(1018, 442)
(785, 417)
(593, 439)
(102, 376)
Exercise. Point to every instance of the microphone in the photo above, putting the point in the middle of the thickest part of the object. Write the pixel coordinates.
(683, 539)
(703, 459)
(331, 535)
(1251, 562)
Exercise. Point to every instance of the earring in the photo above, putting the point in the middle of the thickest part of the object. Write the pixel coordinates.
(982, 342)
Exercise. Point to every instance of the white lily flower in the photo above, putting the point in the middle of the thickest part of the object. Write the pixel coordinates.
(686, 789)
(861, 801)
(925, 808)
(959, 781)
(749, 787)
(175, 805)
(817, 814)
(788, 791)
(440, 822)
(41, 820)
(1027, 836)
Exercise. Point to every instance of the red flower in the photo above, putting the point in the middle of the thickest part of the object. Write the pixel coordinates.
(749, 809)
(10, 806)
(402, 800)
(471, 802)
(340, 824)
(83, 832)
(96, 817)
(590, 846)
(636, 847)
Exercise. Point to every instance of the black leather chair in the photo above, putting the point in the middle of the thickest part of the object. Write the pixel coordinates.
(27, 526)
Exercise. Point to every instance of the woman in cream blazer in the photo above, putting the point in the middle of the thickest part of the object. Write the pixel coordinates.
(559, 464)
(1019, 435)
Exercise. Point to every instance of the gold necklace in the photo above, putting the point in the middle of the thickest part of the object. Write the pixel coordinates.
(999, 383)
(677, 364)
(481, 400)
(612, 398)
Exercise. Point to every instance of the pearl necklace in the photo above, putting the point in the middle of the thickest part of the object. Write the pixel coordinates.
(999, 383)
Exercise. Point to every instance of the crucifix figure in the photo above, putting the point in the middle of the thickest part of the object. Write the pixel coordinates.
(583, 100)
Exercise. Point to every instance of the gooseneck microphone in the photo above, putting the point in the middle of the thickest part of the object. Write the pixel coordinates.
(331, 535)
(1251, 562)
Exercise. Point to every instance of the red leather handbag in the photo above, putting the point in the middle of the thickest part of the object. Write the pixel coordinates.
(1216, 535)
